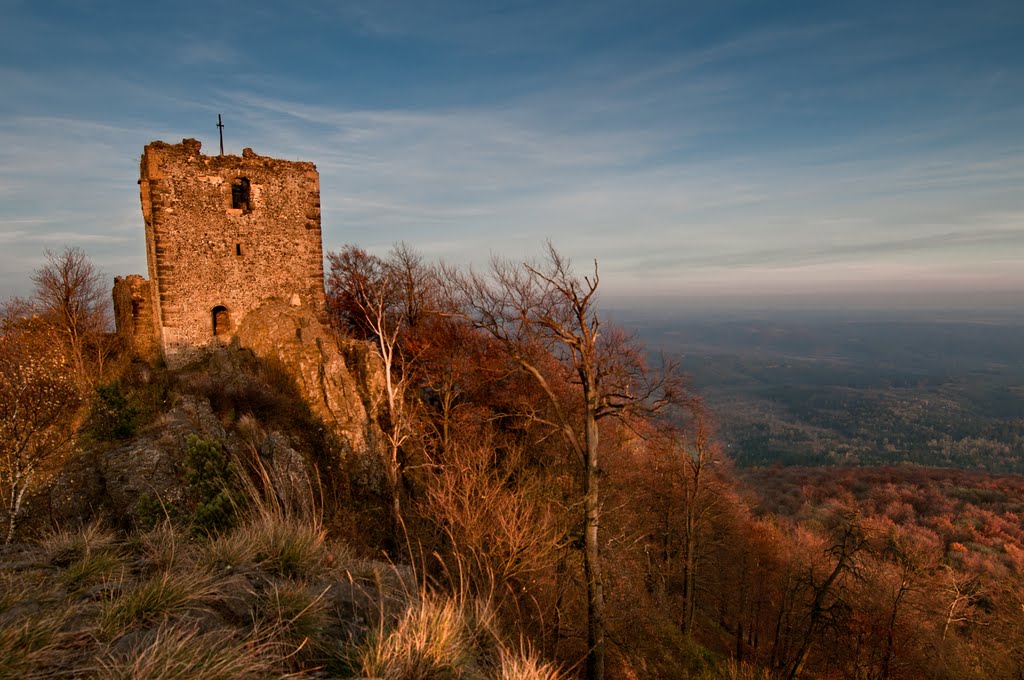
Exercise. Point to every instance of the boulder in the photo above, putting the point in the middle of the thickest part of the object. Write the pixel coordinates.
(342, 379)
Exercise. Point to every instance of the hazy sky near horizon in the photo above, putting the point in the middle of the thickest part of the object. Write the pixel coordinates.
(696, 150)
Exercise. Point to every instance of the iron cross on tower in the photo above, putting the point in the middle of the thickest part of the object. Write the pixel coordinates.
(221, 126)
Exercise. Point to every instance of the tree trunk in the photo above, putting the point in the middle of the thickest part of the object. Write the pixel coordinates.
(890, 635)
(17, 494)
(689, 581)
(396, 504)
(690, 557)
(10, 525)
(818, 605)
(556, 627)
(592, 549)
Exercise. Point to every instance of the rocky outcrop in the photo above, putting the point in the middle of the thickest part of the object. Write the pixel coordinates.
(143, 479)
(147, 469)
(342, 380)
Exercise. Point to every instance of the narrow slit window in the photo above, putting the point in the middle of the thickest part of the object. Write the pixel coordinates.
(238, 249)
(241, 198)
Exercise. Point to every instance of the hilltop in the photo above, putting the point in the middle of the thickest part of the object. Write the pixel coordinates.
(408, 491)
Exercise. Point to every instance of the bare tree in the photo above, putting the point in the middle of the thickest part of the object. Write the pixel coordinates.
(72, 298)
(701, 501)
(455, 368)
(365, 297)
(961, 591)
(910, 564)
(400, 281)
(354, 274)
(848, 539)
(543, 311)
(411, 282)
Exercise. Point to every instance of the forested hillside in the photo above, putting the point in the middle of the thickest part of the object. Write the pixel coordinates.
(537, 499)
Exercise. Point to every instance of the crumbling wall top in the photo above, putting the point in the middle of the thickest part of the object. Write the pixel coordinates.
(190, 151)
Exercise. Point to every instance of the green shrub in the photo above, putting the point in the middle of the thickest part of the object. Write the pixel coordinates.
(214, 484)
(149, 512)
(115, 414)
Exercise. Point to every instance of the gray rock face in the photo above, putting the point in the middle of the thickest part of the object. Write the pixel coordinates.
(145, 469)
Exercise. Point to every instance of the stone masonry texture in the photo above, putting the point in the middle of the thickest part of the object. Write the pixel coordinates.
(133, 314)
(224, 234)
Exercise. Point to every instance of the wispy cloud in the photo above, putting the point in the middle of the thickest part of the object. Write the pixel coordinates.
(674, 147)
(827, 253)
(518, 28)
(205, 51)
(397, 174)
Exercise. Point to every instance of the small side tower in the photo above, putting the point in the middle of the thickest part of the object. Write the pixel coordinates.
(223, 235)
(133, 314)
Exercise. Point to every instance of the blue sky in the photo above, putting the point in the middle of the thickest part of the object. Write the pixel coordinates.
(738, 149)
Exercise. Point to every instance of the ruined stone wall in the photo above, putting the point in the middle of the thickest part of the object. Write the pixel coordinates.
(223, 235)
(133, 315)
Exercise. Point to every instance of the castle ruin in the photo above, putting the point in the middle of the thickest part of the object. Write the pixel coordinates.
(224, 234)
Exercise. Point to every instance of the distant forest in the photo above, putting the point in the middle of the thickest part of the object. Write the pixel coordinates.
(829, 390)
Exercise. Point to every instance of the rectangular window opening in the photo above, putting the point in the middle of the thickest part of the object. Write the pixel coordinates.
(241, 198)
(238, 249)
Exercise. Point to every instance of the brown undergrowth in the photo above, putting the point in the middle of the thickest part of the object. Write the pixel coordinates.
(273, 597)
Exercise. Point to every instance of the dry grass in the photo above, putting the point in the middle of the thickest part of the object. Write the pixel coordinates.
(294, 616)
(735, 670)
(17, 587)
(435, 637)
(62, 547)
(33, 646)
(163, 547)
(278, 543)
(88, 555)
(499, 533)
(229, 551)
(153, 600)
(289, 546)
(445, 637)
(294, 610)
(91, 570)
(174, 652)
(525, 666)
(12, 590)
(258, 601)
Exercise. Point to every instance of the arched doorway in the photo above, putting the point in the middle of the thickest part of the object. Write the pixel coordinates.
(221, 320)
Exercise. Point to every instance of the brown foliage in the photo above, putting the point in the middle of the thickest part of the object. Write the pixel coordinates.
(38, 404)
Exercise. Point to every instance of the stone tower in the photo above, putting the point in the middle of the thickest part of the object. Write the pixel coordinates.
(224, 234)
